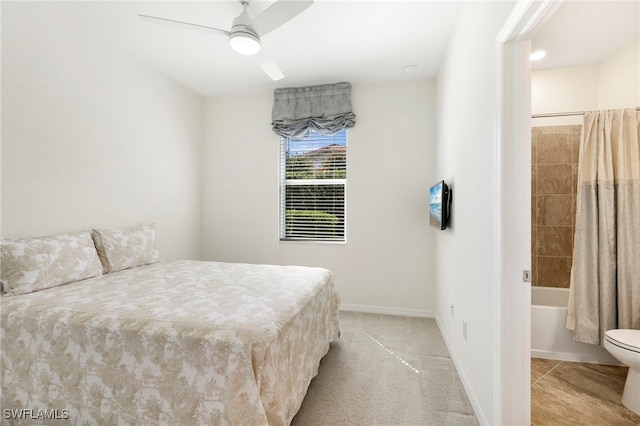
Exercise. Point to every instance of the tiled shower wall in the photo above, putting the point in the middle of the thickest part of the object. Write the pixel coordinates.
(554, 171)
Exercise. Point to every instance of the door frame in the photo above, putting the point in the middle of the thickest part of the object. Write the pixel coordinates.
(512, 313)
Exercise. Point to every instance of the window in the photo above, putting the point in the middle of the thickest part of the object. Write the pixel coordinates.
(313, 178)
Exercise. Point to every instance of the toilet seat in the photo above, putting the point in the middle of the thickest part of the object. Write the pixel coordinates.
(624, 338)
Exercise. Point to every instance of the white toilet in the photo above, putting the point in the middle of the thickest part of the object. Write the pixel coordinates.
(624, 345)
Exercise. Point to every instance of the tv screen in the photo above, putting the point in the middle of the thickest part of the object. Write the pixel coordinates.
(439, 205)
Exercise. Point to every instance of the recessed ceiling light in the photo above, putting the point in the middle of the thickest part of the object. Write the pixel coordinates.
(538, 54)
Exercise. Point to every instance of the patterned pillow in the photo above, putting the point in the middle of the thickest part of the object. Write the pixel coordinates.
(31, 264)
(126, 248)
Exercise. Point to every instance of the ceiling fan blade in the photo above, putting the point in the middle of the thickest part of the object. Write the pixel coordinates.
(268, 65)
(277, 14)
(183, 25)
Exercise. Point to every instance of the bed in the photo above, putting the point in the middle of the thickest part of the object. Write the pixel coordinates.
(169, 342)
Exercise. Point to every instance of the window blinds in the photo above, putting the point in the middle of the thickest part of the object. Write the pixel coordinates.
(313, 175)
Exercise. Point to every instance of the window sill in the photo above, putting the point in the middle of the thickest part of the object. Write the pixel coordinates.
(313, 242)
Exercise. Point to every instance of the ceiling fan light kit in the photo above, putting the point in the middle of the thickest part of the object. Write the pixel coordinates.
(244, 43)
(244, 36)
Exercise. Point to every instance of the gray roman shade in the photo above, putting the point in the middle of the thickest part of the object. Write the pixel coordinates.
(325, 109)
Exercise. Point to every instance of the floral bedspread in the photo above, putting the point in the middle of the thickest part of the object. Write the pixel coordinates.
(180, 342)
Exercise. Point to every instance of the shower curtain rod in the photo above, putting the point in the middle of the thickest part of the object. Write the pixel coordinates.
(563, 114)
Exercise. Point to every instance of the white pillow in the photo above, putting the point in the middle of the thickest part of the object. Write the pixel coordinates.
(125, 248)
(31, 264)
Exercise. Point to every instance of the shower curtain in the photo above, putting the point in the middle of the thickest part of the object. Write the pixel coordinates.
(605, 276)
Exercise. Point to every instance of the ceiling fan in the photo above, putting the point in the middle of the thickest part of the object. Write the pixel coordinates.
(245, 32)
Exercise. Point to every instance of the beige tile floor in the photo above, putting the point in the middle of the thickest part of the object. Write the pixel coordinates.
(572, 393)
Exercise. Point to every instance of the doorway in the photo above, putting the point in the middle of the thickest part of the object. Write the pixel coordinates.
(513, 157)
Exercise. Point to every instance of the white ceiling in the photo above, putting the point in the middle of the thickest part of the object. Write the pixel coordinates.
(586, 32)
(356, 41)
(331, 41)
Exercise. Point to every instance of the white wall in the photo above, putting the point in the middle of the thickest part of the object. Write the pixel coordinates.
(611, 84)
(387, 263)
(564, 89)
(465, 262)
(619, 78)
(91, 137)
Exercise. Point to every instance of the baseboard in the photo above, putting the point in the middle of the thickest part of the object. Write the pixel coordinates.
(482, 419)
(605, 359)
(384, 310)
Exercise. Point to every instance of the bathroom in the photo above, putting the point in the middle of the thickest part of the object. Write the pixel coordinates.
(610, 82)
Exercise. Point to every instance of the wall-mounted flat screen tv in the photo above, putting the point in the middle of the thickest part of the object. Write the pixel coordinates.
(439, 205)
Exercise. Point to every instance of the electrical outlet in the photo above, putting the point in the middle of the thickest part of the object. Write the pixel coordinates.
(464, 330)
(452, 315)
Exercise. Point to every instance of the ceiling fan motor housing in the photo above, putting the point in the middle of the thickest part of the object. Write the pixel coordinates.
(244, 39)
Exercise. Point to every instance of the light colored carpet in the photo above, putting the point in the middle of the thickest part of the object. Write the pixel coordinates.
(386, 370)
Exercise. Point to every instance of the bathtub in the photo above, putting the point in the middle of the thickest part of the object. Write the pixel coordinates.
(549, 337)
